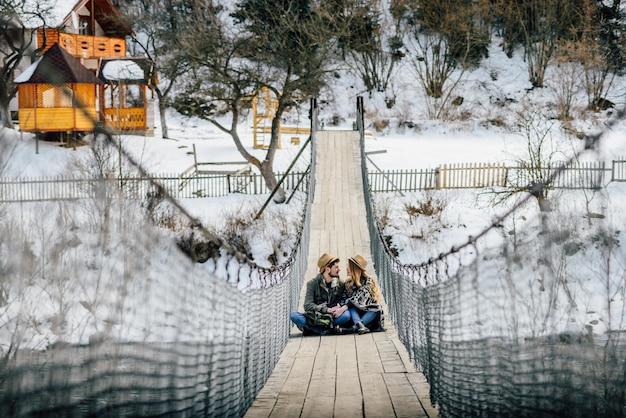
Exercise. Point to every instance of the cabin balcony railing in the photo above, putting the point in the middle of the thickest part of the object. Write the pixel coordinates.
(130, 119)
(92, 46)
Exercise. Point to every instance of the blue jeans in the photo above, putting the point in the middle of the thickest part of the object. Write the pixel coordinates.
(299, 319)
(342, 319)
(366, 318)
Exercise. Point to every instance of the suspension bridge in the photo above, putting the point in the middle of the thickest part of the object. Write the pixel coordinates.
(205, 332)
(342, 375)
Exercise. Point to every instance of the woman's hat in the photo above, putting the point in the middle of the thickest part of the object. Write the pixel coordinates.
(326, 260)
(360, 261)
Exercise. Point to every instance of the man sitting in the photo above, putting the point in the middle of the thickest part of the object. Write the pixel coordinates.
(324, 294)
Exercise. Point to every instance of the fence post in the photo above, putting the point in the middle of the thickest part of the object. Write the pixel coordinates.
(441, 177)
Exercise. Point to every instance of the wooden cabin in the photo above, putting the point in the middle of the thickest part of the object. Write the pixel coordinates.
(94, 33)
(57, 94)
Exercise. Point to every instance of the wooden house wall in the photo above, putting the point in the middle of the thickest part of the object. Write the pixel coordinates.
(47, 37)
(48, 108)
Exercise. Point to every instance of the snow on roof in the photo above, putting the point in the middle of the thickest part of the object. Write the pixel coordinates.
(57, 66)
(28, 72)
(122, 70)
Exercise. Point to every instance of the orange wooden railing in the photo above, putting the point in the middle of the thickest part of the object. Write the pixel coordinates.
(92, 46)
(125, 119)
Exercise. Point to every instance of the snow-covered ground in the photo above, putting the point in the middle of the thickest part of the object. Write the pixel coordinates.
(487, 128)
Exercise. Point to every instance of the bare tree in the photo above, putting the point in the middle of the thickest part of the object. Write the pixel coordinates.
(568, 75)
(538, 25)
(536, 170)
(585, 59)
(443, 36)
(595, 57)
(296, 43)
(219, 81)
(19, 21)
(156, 26)
(284, 46)
(434, 70)
(371, 38)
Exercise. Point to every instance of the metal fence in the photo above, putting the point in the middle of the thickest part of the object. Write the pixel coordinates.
(34, 189)
(618, 169)
(471, 175)
(588, 175)
(403, 180)
(584, 175)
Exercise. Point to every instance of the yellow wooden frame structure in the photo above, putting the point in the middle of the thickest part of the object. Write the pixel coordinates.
(264, 105)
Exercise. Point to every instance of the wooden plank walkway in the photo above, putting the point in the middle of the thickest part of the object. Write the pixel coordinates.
(347, 375)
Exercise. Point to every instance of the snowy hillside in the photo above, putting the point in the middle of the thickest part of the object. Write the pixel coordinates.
(486, 127)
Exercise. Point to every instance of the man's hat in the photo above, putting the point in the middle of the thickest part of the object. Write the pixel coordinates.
(359, 261)
(326, 260)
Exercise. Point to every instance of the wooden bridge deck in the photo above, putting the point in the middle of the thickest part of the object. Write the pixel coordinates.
(348, 375)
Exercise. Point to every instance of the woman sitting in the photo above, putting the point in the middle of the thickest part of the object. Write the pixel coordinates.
(363, 297)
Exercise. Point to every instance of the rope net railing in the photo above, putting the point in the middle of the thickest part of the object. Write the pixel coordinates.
(102, 314)
(493, 328)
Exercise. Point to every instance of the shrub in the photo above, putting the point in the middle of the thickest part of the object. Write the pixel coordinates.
(428, 207)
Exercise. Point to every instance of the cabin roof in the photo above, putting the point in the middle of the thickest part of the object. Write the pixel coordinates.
(57, 66)
(128, 70)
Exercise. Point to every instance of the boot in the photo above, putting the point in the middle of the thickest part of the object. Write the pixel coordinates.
(361, 329)
(341, 331)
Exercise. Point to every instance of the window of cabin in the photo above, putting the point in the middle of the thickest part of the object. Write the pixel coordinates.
(134, 96)
(54, 96)
(84, 25)
(125, 96)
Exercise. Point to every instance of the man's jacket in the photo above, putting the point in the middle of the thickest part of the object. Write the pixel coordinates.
(320, 296)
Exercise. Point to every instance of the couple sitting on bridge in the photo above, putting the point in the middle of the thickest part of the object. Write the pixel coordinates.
(333, 306)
